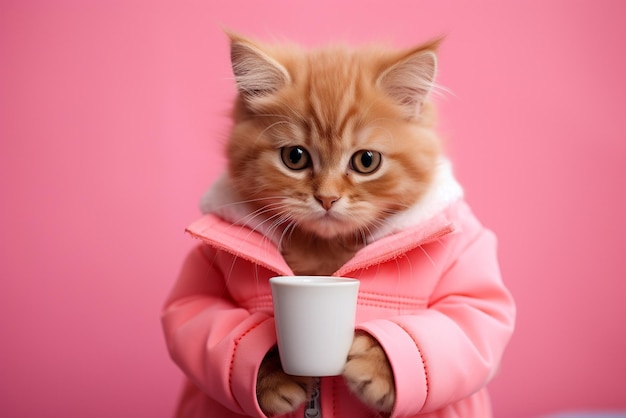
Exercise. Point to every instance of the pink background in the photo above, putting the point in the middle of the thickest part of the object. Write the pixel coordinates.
(111, 127)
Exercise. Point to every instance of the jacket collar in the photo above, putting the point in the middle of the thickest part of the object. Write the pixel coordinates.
(240, 241)
(251, 245)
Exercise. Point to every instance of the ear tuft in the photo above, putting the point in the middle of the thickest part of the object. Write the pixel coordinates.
(409, 80)
(256, 73)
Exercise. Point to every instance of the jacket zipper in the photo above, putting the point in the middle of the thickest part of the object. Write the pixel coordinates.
(313, 408)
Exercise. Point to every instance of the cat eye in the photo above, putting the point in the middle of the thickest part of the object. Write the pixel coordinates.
(295, 158)
(365, 161)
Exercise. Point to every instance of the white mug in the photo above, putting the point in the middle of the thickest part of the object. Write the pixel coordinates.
(314, 318)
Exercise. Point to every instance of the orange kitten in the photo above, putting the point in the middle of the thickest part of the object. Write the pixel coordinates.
(326, 146)
(329, 143)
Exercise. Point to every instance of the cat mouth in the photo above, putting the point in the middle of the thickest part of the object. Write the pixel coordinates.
(330, 216)
(330, 224)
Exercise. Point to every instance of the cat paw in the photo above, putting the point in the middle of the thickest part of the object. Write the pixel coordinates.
(277, 392)
(368, 373)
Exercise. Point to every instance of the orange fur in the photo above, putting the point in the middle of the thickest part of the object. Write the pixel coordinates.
(332, 103)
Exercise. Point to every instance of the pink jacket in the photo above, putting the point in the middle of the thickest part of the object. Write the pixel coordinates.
(431, 294)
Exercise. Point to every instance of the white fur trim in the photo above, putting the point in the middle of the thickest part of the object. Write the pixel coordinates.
(222, 200)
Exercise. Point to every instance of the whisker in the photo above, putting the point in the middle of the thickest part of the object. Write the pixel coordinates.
(268, 219)
(243, 202)
(432, 262)
(287, 232)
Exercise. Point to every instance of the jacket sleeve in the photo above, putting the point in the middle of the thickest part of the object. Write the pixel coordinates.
(218, 345)
(453, 348)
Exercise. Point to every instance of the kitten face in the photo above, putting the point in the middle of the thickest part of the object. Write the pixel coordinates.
(332, 141)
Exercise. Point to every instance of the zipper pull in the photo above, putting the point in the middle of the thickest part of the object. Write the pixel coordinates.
(313, 409)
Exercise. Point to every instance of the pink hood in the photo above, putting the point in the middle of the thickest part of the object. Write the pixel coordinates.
(430, 293)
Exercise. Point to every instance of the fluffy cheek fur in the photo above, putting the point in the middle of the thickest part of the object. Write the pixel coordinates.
(406, 172)
(254, 166)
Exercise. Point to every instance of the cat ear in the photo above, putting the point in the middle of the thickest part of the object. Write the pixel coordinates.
(256, 73)
(410, 78)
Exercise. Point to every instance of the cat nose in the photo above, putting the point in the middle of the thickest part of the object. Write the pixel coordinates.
(327, 201)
